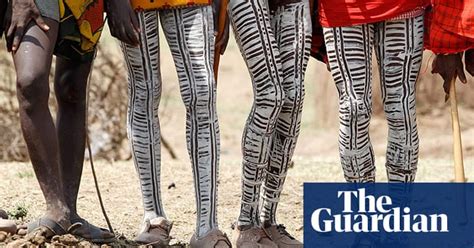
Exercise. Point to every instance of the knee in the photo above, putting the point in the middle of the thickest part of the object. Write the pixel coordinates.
(294, 97)
(272, 97)
(400, 112)
(354, 110)
(70, 93)
(32, 89)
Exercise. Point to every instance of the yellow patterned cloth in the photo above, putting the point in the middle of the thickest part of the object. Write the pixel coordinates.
(141, 5)
(81, 24)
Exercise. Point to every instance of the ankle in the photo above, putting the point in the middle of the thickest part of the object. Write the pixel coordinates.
(150, 215)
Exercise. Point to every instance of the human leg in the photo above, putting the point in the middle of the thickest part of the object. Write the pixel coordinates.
(350, 56)
(399, 47)
(190, 35)
(32, 63)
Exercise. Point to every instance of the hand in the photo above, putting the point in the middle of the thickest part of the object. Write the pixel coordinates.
(449, 66)
(123, 21)
(20, 13)
(469, 59)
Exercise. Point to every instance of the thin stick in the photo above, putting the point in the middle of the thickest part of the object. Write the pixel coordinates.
(457, 142)
(101, 202)
(99, 195)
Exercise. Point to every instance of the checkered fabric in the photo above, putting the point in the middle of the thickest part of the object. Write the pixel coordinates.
(450, 26)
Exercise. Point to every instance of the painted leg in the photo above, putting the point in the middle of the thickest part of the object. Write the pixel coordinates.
(350, 57)
(190, 35)
(143, 124)
(292, 27)
(254, 34)
(400, 51)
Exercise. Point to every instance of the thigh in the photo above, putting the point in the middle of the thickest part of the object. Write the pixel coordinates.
(34, 55)
(350, 60)
(256, 39)
(190, 36)
(292, 26)
(70, 80)
(399, 47)
(143, 62)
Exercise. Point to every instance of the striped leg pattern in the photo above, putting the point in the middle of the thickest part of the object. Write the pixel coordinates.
(350, 56)
(253, 32)
(190, 35)
(399, 48)
(292, 27)
(143, 126)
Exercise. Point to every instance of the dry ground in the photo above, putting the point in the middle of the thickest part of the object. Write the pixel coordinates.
(120, 190)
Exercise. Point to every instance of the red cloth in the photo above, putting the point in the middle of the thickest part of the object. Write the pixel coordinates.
(450, 26)
(318, 48)
(341, 13)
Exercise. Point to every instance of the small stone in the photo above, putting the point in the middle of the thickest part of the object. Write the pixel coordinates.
(19, 243)
(3, 214)
(172, 185)
(3, 236)
(38, 240)
(69, 240)
(84, 244)
(22, 232)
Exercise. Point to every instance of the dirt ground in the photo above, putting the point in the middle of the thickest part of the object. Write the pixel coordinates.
(120, 190)
(316, 157)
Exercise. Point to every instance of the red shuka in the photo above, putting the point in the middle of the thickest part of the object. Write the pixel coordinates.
(341, 13)
(450, 26)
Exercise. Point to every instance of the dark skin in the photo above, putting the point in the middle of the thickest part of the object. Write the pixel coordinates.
(123, 21)
(3, 10)
(56, 151)
(450, 66)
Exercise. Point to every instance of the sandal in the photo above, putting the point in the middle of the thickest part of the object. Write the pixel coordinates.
(83, 229)
(44, 227)
(156, 233)
(213, 239)
(6, 225)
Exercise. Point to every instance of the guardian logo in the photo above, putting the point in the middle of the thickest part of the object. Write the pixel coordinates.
(373, 214)
(389, 215)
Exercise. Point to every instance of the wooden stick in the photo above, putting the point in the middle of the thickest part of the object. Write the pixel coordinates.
(459, 176)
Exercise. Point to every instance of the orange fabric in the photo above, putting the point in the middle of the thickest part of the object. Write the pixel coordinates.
(341, 13)
(450, 26)
(140, 5)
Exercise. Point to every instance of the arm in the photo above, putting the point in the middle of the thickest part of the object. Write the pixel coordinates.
(123, 21)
